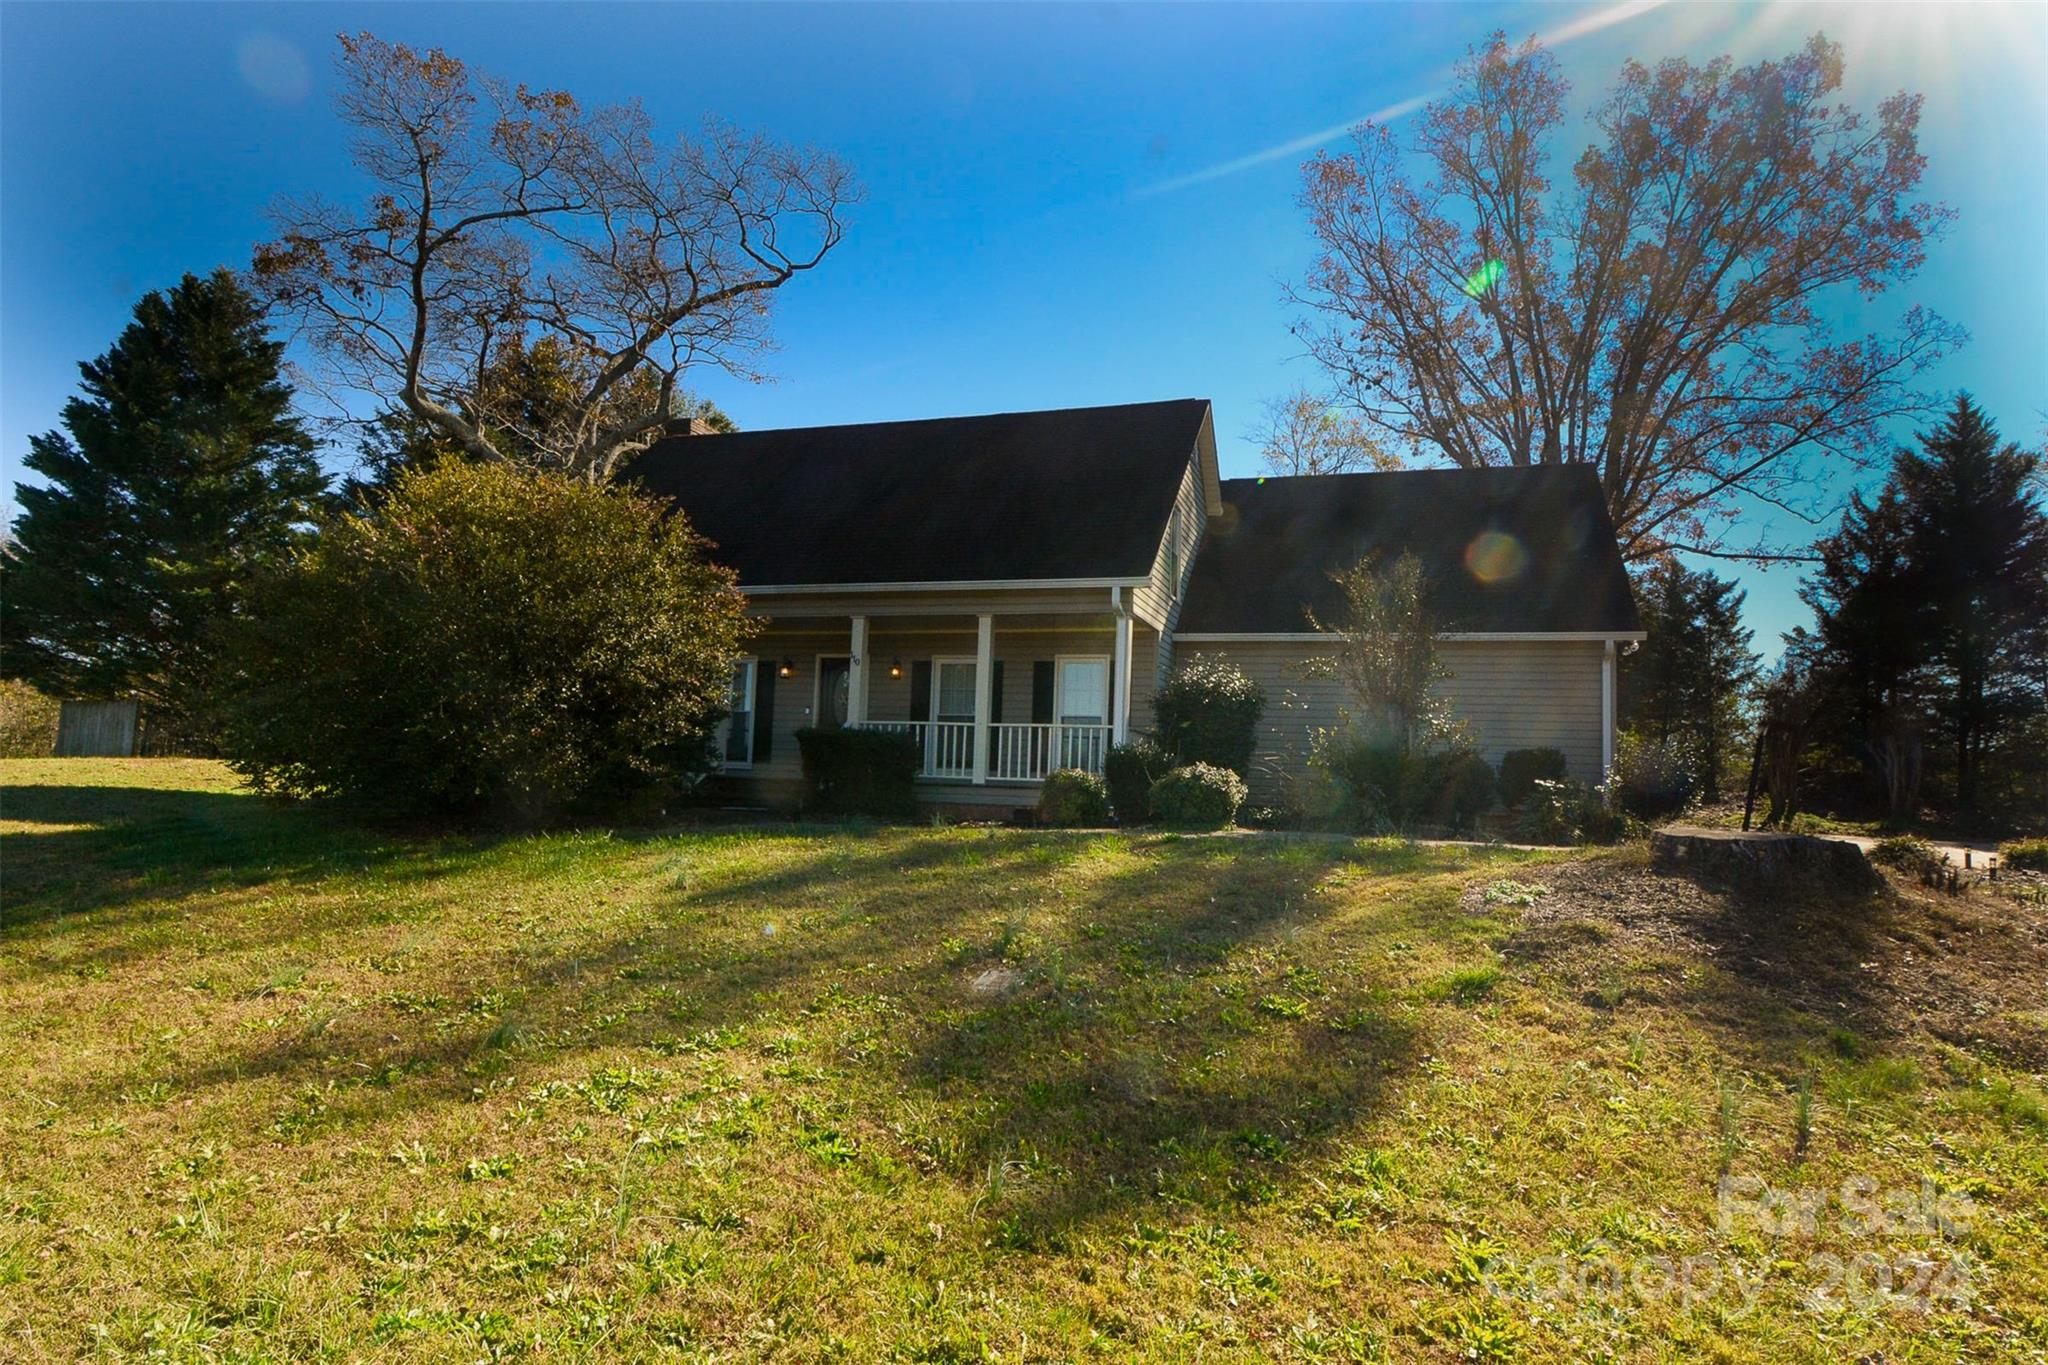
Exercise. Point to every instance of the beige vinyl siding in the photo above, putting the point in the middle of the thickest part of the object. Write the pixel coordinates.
(1157, 602)
(1512, 694)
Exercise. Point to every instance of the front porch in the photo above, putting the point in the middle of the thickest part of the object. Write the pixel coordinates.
(992, 700)
(961, 709)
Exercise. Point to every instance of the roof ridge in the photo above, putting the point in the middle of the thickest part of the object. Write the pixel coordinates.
(1400, 473)
(965, 417)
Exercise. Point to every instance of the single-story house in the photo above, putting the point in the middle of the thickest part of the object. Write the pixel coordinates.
(1011, 589)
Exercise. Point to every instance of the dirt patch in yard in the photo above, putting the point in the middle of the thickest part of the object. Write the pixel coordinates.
(1969, 970)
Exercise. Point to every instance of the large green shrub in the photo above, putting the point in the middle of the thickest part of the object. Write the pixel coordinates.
(1129, 771)
(1073, 796)
(1387, 786)
(2028, 855)
(488, 644)
(1208, 712)
(859, 772)
(28, 722)
(1654, 779)
(1522, 769)
(1198, 796)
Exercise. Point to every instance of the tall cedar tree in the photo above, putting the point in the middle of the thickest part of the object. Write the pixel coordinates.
(1979, 542)
(1688, 678)
(1868, 650)
(1932, 599)
(180, 468)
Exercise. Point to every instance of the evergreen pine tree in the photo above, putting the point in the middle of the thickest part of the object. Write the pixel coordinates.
(1688, 678)
(1978, 543)
(180, 467)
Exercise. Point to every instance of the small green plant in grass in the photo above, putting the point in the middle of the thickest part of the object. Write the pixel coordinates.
(481, 1168)
(1877, 1078)
(1508, 891)
(1479, 1329)
(1468, 985)
(1730, 1123)
(1802, 1117)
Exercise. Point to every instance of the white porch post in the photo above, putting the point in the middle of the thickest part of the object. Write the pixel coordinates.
(1120, 674)
(984, 673)
(1607, 712)
(857, 673)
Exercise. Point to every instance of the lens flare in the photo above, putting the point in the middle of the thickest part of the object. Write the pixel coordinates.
(1495, 557)
(1483, 279)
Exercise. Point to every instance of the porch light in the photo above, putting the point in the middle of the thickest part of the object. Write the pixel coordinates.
(786, 669)
(895, 668)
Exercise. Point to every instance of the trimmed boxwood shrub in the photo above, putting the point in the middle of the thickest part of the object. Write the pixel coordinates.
(1073, 796)
(1522, 769)
(1388, 787)
(859, 772)
(1198, 796)
(1208, 712)
(1130, 770)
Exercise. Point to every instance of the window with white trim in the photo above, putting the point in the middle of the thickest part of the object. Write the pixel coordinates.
(735, 734)
(1082, 693)
(953, 690)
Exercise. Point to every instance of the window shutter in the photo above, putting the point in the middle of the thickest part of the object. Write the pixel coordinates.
(921, 690)
(1041, 692)
(764, 709)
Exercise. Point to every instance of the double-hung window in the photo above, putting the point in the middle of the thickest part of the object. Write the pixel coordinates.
(951, 751)
(1081, 699)
(735, 734)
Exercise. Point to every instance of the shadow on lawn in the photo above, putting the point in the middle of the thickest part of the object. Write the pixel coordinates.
(1129, 1059)
(107, 848)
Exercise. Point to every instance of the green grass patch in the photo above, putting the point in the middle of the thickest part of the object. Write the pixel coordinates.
(273, 1087)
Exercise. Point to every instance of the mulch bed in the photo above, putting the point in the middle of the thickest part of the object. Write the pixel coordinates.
(1971, 970)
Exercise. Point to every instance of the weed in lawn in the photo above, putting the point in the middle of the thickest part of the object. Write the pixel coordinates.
(1730, 1119)
(1468, 985)
(1802, 1117)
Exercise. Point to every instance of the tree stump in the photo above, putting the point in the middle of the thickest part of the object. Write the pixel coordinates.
(1761, 860)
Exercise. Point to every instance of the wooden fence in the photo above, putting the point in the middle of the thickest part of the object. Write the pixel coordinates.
(97, 729)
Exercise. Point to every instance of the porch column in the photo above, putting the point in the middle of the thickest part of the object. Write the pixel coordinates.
(857, 673)
(1120, 679)
(1607, 712)
(984, 672)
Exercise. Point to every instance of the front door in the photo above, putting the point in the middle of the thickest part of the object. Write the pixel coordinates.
(833, 675)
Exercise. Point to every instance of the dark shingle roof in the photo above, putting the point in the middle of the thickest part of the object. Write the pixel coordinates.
(1508, 550)
(1072, 493)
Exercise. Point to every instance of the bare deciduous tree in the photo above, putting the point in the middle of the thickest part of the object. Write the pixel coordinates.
(1306, 433)
(507, 218)
(1665, 317)
(1386, 655)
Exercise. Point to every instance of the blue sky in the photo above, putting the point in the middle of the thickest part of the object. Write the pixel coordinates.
(1066, 204)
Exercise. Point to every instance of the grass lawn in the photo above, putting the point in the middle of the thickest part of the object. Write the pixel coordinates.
(275, 1088)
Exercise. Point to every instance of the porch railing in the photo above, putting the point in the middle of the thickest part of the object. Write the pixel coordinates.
(1017, 753)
